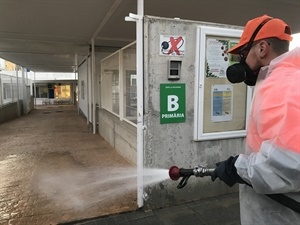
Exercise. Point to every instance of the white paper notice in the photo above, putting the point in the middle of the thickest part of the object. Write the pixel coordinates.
(217, 58)
(221, 102)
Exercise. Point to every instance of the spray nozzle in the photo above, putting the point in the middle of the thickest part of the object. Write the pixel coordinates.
(199, 171)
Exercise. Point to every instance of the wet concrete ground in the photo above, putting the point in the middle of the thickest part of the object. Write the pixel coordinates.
(220, 210)
(51, 168)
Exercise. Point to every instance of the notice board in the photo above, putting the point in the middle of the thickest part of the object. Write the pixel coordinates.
(221, 108)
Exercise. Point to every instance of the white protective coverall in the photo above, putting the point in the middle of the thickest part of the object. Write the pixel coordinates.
(272, 160)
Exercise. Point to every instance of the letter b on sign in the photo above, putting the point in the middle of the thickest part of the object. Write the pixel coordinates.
(173, 103)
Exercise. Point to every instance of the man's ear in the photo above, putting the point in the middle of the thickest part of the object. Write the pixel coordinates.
(263, 48)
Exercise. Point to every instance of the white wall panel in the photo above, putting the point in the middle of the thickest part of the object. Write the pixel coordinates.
(83, 88)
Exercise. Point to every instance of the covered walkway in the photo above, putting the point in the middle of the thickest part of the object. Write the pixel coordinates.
(54, 170)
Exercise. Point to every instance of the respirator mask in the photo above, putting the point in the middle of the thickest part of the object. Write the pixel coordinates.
(241, 72)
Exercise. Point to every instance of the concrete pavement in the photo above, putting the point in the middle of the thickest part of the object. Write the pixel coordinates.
(223, 210)
(53, 170)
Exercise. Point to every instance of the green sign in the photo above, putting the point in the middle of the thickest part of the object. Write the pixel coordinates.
(172, 103)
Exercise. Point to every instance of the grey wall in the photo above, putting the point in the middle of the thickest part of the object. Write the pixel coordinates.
(31, 104)
(166, 145)
(12, 111)
(8, 112)
(119, 134)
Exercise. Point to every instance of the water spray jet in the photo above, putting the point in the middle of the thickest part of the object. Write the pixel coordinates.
(199, 171)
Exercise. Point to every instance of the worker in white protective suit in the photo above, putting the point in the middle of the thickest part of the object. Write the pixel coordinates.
(269, 171)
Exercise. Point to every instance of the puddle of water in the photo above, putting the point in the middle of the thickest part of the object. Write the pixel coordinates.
(12, 156)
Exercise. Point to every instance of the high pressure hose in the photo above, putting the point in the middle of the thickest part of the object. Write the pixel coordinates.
(199, 171)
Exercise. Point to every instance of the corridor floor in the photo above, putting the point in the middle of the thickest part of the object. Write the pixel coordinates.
(54, 170)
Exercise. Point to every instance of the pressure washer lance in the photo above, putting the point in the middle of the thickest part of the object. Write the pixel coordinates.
(199, 171)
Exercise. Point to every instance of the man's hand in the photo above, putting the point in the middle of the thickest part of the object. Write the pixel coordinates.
(226, 172)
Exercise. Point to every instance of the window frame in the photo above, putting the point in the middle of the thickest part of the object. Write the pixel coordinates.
(199, 135)
(122, 80)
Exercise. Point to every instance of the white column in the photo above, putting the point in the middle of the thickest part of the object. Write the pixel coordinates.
(87, 91)
(34, 90)
(24, 91)
(140, 97)
(1, 90)
(93, 88)
(18, 95)
(121, 86)
(140, 102)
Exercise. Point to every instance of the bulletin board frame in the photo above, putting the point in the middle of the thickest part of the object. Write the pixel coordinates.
(219, 93)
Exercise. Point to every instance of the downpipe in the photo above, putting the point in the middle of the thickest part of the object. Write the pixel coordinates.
(199, 171)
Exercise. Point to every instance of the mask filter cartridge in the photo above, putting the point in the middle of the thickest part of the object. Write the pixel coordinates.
(240, 72)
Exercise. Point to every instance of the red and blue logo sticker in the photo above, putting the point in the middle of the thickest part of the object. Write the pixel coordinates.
(172, 45)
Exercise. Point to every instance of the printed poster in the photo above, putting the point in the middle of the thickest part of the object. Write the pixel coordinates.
(222, 103)
(217, 57)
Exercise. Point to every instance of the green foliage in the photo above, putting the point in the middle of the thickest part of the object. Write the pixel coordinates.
(208, 73)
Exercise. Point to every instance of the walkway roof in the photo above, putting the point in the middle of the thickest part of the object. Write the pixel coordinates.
(55, 35)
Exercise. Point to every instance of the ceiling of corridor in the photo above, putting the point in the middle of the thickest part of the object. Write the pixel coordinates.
(55, 35)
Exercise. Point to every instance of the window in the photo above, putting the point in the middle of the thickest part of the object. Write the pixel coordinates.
(128, 64)
(62, 91)
(20, 83)
(118, 83)
(6, 89)
(130, 97)
(115, 92)
(14, 88)
(10, 87)
(110, 83)
(42, 91)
